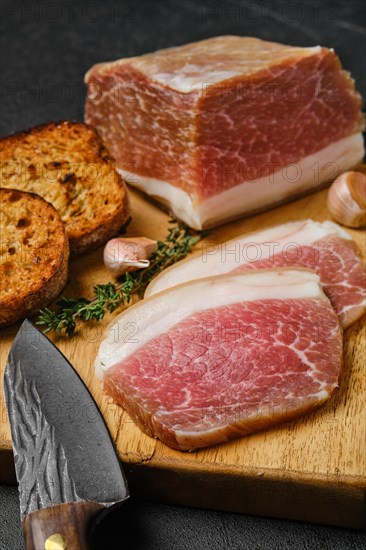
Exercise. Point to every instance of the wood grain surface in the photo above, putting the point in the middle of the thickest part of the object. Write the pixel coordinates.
(311, 469)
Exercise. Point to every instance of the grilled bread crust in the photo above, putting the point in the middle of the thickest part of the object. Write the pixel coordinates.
(67, 164)
(34, 255)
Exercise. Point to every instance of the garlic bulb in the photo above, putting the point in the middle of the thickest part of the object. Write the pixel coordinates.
(347, 199)
(122, 255)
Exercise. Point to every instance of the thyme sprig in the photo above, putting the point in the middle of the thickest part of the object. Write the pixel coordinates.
(107, 297)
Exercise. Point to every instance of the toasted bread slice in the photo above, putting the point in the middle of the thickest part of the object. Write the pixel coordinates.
(34, 255)
(67, 164)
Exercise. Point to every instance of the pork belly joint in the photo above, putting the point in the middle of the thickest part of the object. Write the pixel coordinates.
(227, 126)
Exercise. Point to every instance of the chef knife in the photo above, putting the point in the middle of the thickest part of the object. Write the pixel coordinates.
(68, 472)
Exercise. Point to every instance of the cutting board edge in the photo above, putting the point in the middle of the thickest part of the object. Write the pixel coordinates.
(283, 497)
(275, 493)
(275, 474)
(7, 470)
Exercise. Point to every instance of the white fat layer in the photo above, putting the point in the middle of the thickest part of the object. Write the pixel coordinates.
(260, 193)
(217, 259)
(154, 316)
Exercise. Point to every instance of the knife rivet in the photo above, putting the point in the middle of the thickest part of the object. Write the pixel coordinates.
(55, 542)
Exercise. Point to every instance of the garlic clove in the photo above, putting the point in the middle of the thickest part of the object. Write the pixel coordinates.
(357, 186)
(346, 200)
(128, 254)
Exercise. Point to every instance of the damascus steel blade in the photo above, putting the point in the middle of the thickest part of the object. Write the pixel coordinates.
(62, 448)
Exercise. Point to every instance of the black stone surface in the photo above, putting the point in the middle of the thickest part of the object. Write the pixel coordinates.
(46, 47)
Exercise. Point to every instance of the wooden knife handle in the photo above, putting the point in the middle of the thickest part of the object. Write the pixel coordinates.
(62, 527)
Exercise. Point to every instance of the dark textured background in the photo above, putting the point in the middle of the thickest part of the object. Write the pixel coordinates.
(46, 47)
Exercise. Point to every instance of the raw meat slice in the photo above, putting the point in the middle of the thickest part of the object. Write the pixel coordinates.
(223, 357)
(324, 247)
(227, 126)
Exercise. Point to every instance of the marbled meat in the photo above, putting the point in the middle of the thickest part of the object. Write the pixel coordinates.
(223, 357)
(227, 126)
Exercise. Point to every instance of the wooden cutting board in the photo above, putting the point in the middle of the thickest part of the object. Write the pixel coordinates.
(311, 469)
